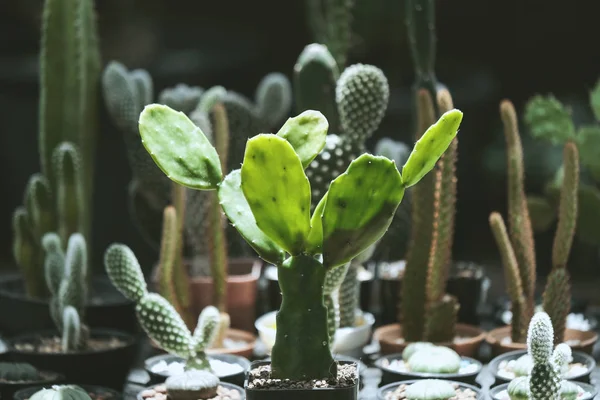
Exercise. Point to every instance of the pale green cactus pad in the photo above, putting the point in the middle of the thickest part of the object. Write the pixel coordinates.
(430, 389)
(436, 359)
(306, 133)
(125, 272)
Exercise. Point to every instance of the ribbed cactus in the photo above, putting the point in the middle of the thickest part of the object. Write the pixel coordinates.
(331, 24)
(268, 202)
(192, 384)
(430, 389)
(62, 392)
(66, 278)
(517, 246)
(18, 372)
(156, 315)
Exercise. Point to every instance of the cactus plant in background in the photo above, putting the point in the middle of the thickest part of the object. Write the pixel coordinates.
(66, 277)
(156, 315)
(548, 119)
(71, 392)
(517, 246)
(192, 384)
(430, 389)
(59, 198)
(272, 185)
(18, 372)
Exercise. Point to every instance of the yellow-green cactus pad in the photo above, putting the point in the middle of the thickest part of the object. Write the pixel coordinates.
(306, 133)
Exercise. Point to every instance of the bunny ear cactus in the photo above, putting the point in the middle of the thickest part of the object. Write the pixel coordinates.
(354, 213)
(156, 315)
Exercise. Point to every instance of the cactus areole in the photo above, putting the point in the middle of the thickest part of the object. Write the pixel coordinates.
(268, 202)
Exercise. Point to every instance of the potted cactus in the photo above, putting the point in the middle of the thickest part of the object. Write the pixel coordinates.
(193, 384)
(81, 354)
(544, 381)
(429, 389)
(74, 392)
(320, 86)
(268, 202)
(16, 376)
(150, 191)
(163, 324)
(59, 198)
(517, 249)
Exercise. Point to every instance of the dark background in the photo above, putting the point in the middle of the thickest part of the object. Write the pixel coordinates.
(487, 50)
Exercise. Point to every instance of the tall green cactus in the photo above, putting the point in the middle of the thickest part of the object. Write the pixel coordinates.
(271, 185)
(156, 315)
(331, 25)
(517, 246)
(60, 198)
(66, 277)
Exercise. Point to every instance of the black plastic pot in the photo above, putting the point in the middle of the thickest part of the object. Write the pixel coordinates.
(46, 379)
(578, 357)
(21, 315)
(347, 393)
(392, 386)
(493, 392)
(390, 376)
(224, 384)
(109, 394)
(108, 367)
(235, 379)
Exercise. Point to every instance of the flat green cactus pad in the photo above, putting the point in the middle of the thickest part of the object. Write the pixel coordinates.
(315, 238)
(359, 208)
(430, 147)
(179, 148)
(306, 133)
(277, 190)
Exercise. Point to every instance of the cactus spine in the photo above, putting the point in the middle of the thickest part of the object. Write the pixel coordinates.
(272, 184)
(66, 277)
(517, 246)
(156, 315)
(59, 199)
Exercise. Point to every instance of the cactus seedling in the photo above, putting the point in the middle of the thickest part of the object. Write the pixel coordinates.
(156, 315)
(517, 245)
(428, 358)
(268, 202)
(66, 277)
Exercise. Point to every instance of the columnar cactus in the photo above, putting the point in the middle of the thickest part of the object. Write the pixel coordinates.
(66, 277)
(156, 315)
(59, 198)
(517, 246)
(268, 202)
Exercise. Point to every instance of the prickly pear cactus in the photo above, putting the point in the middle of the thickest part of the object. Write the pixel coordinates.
(430, 389)
(272, 183)
(156, 315)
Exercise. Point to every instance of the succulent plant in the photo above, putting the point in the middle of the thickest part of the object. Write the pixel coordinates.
(518, 388)
(523, 365)
(18, 372)
(413, 347)
(59, 199)
(569, 390)
(517, 246)
(156, 315)
(61, 392)
(66, 277)
(349, 289)
(550, 120)
(268, 202)
(430, 389)
(192, 385)
(433, 359)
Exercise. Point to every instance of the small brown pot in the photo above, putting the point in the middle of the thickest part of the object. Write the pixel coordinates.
(388, 336)
(496, 336)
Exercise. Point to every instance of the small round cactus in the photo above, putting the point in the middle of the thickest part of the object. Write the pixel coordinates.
(61, 392)
(434, 359)
(561, 358)
(518, 388)
(523, 365)
(430, 389)
(192, 385)
(15, 372)
(569, 390)
(414, 347)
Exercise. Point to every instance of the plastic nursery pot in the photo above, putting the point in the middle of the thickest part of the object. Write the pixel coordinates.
(225, 385)
(245, 349)
(46, 379)
(499, 340)
(347, 341)
(499, 392)
(345, 393)
(236, 377)
(578, 357)
(95, 392)
(106, 367)
(107, 308)
(467, 342)
(390, 375)
(390, 388)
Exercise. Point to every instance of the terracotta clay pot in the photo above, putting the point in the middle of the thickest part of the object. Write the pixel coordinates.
(388, 337)
(586, 339)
